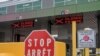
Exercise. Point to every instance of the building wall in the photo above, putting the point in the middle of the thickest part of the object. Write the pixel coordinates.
(24, 32)
(64, 31)
(47, 8)
(59, 2)
(89, 21)
(44, 3)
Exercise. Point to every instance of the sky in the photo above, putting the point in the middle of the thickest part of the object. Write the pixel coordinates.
(3, 0)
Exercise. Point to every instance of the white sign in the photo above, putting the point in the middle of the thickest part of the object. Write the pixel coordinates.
(86, 39)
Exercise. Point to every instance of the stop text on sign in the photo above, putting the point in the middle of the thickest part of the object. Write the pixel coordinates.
(39, 43)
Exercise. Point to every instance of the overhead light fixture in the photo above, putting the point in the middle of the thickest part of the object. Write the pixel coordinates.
(55, 35)
(36, 20)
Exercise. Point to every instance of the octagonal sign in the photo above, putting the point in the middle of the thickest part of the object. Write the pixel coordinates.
(39, 43)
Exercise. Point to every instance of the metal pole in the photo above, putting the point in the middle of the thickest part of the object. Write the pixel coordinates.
(74, 51)
(87, 52)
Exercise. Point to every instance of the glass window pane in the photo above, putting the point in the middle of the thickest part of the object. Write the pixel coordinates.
(58, 0)
(19, 10)
(2, 12)
(37, 7)
(37, 3)
(27, 5)
(19, 6)
(93, 0)
(82, 1)
(59, 4)
(69, 2)
(0, 9)
(3, 9)
(28, 9)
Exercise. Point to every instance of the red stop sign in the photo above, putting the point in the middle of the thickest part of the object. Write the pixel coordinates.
(39, 43)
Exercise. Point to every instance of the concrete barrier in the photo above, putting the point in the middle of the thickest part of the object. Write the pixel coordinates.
(17, 49)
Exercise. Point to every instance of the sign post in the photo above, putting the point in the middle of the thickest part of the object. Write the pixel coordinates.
(39, 43)
(74, 52)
